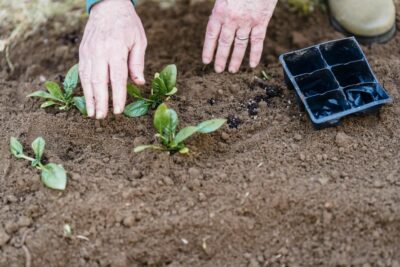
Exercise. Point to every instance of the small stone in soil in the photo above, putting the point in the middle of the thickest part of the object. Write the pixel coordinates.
(298, 137)
(225, 136)
(4, 237)
(233, 121)
(129, 221)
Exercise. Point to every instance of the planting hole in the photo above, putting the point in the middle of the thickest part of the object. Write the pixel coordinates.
(304, 61)
(340, 52)
(327, 104)
(353, 73)
(317, 83)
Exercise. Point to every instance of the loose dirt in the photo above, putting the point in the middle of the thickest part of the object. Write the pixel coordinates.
(267, 191)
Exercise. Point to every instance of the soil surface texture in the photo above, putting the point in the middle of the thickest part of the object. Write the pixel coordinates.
(265, 190)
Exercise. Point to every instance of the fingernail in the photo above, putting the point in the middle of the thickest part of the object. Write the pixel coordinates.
(219, 69)
(232, 70)
(90, 112)
(206, 60)
(253, 64)
(117, 110)
(99, 115)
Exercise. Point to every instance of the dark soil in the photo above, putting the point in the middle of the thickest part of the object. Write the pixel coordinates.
(268, 190)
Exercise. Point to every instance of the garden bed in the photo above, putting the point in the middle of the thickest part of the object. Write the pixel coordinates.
(266, 190)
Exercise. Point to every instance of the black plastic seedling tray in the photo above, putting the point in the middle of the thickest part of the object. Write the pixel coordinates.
(333, 80)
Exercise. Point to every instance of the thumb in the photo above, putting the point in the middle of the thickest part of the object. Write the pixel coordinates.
(136, 63)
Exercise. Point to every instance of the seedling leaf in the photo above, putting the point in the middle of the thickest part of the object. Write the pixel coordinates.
(184, 134)
(54, 176)
(173, 91)
(47, 104)
(38, 148)
(210, 125)
(133, 91)
(159, 87)
(168, 75)
(42, 94)
(166, 121)
(54, 89)
(144, 147)
(136, 109)
(71, 79)
(80, 104)
(16, 147)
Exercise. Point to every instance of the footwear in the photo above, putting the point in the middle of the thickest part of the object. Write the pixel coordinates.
(370, 21)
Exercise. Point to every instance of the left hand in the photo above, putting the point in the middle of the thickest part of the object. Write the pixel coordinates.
(237, 21)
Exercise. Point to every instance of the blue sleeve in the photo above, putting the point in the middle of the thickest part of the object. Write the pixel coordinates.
(90, 3)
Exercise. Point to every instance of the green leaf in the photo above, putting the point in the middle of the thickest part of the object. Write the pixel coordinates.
(38, 147)
(144, 147)
(136, 109)
(158, 86)
(43, 94)
(173, 91)
(168, 75)
(54, 176)
(71, 79)
(47, 104)
(210, 125)
(16, 147)
(54, 90)
(80, 104)
(184, 134)
(166, 121)
(133, 91)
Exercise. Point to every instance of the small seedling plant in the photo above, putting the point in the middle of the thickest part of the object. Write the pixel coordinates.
(63, 98)
(166, 122)
(163, 86)
(52, 175)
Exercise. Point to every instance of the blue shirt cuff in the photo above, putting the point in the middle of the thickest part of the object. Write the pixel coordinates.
(90, 3)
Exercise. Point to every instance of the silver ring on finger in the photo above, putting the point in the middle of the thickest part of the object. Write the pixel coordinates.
(242, 38)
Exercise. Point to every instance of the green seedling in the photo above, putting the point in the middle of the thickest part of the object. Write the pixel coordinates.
(63, 98)
(163, 87)
(52, 175)
(166, 122)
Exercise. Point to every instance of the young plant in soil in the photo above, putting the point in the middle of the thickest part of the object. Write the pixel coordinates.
(166, 122)
(163, 86)
(63, 98)
(52, 175)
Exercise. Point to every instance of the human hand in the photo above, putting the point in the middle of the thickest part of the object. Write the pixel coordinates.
(237, 21)
(113, 44)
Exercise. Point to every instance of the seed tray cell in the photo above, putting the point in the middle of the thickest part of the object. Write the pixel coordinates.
(333, 80)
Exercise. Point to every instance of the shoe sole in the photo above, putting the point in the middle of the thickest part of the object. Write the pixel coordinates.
(366, 40)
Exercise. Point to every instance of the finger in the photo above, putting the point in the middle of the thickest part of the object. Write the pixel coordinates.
(257, 43)
(210, 43)
(118, 77)
(224, 47)
(241, 42)
(136, 62)
(99, 80)
(84, 74)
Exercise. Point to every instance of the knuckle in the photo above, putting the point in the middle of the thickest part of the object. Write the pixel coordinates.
(211, 34)
(241, 43)
(225, 40)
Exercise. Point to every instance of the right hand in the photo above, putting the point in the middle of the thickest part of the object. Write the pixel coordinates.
(113, 44)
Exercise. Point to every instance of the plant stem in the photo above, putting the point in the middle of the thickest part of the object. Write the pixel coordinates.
(27, 158)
